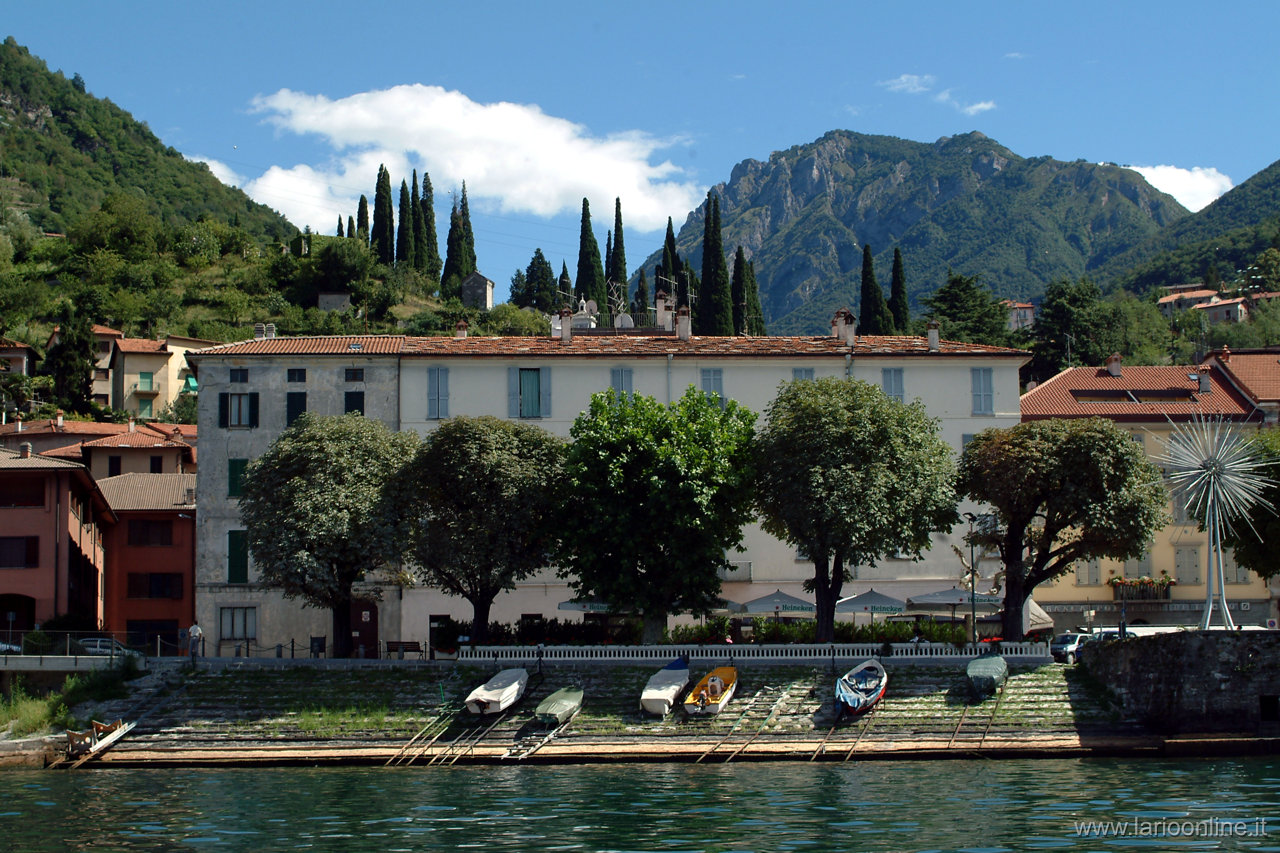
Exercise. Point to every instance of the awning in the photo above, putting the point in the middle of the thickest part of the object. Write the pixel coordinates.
(189, 385)
(950, 600)
(585, 606)
(780, 603)
(870, 602)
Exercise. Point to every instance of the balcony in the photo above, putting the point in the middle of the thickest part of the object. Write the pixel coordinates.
(1141, 592)
(739, 570)
(144, 389)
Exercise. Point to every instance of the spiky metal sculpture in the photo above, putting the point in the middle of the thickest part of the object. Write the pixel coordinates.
(1214, 469)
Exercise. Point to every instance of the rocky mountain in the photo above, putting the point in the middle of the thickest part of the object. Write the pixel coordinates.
(964, 202)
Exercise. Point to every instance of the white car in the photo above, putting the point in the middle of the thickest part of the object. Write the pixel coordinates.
(107, 646)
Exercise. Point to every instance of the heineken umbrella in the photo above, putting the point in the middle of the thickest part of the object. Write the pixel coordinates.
(949, 600)
(870, 602)
(587, 606)
(781, 604)
(724, 605)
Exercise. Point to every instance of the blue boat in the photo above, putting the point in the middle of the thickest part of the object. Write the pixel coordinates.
(859, 689)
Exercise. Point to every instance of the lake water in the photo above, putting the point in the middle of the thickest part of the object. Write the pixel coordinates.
(978, 806)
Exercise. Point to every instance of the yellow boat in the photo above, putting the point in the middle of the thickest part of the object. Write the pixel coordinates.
(713, 692)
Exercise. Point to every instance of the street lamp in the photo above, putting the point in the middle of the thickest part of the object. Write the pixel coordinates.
(973, 584)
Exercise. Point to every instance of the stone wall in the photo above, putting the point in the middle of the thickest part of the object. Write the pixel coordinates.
(1194, 681)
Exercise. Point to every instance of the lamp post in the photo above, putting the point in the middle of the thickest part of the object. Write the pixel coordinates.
(973, 585)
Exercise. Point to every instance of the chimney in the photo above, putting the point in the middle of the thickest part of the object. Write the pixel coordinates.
(566, 325)
(191, 495)
(661, 311)
(259, 331)
(270, 330)
(59, 419)
(837, 323)
(850, 328)
(935, 336)
(131, 423)
(1113, 363)
(1031, 386)
(19, 422)
(1225, 357)
(24, 450)
(835, 326)
(684, 329)
(460, 330)
(1204, 380)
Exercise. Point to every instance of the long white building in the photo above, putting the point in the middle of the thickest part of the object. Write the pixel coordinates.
(250, 391)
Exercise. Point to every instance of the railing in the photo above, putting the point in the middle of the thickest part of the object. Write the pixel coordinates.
(799, 653)
(1130, 592)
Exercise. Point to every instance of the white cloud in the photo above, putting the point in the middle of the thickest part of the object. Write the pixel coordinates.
(1194, 188)
(944, 97)
(513, 157)
(911, 84)
(1015, 55)
(220, 170)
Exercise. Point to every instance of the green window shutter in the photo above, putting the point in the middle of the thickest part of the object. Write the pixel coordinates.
(235, 476)
(544, 399)
(224, 410)
(437, 393)
(253, 411)
(513, 393)
(295, 403)
(237, 556)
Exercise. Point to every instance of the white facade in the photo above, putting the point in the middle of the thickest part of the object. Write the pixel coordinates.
(549, 381)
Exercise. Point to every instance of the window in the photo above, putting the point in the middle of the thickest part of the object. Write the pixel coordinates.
(1088, 573)
(437, 393)
(157, 464)
(239, 374)
(19, 552)
(238, 411)
(528, 392)
(1138, 568)
(354, 374)
(144, 407)
(984, 398)
(891, 383)
(353, 401)
(113, 465)
(155, 585)
(146, 381)
(238, 623)
(621, 380)
(1186, 565)
(146, 533)
(237, 556)
(713, 383)
(235, 476)
(965, 438)
(802, 373)
(1233, 571)
(297, 374)
(295, 403)
(22, 491)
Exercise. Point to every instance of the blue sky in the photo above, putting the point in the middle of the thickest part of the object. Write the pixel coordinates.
(538, 105)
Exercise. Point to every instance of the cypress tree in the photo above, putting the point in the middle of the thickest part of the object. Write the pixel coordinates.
(351, 227)
(715, 301)
(382, 233)
(874, 318)
(640, 305)
(431, 263)
(619, 254)
(340, 234)
(404, 232)
(362, 220)
(455, 248)
(671, 270)
(564, 289)
(419, 239)
(468, 234)
(590, 281)
(542, 283)
(738, 290)
(608, 256)
(898, 305)
(755, 316)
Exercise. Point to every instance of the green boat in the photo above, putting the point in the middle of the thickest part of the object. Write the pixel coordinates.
(986, 675)
(558, 708)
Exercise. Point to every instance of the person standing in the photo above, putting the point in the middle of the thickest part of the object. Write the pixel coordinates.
(194, 636)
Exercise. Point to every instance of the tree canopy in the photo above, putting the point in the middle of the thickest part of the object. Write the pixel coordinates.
(1060, 491)
(849, 476)
(319, 512)
(968, 311)
(652, 498)
(481, 508)
(1254, 541)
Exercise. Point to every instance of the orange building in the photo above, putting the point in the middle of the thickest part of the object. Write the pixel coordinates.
(52, 523)
(150, 559)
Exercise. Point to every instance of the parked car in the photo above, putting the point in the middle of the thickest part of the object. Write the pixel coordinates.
(1065, 648)
(107, 646)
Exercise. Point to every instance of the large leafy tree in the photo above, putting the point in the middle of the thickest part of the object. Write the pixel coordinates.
(590, 281)
(1254, 540)
(653, 496)
(322, 510)
(481, 508)
(70, 361)
(1072, 328)
(968, 311)
(873, 313)
(849, 476)
(714, 311)
(1060, 491)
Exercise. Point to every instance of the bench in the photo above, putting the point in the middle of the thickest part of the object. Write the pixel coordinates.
(399, 648)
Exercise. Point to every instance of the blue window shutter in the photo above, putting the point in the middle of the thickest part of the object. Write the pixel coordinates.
(544, 408)
(433, 393)
(513, 393)
(444, 391)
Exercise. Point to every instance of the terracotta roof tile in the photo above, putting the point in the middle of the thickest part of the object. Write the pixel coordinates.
(11, 460)
(7, 343)
(1138, 394)
(107, 330)
(1257, 371)
(1188, 294)
(137, 438)
(46, 426)
(318, 345)
(148, 491)
(140, 345)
